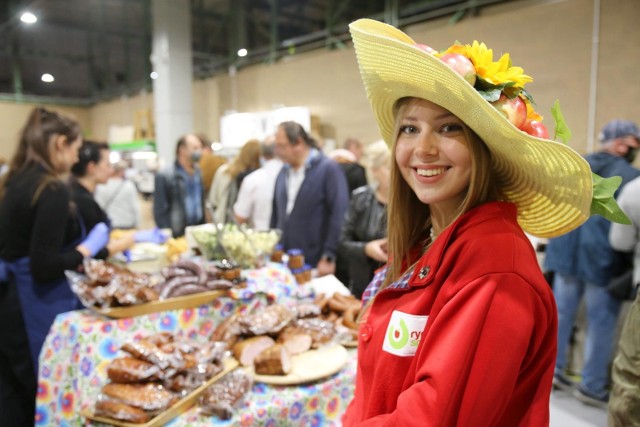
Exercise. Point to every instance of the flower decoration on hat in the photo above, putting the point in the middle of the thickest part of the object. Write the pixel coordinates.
(502, 85)
(498, 82)
(551, 184)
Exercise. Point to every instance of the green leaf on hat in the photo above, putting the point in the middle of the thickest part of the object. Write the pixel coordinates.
(490, 95)
(489, 91)
(562, 130)
(603, 203)
(528, 96)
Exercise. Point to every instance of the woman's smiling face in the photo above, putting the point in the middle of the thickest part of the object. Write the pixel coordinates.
(432, 153)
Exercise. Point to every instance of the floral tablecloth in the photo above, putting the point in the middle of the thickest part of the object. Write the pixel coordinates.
(81, 344)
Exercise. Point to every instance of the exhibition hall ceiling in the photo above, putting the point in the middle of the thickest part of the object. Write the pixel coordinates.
(100, 49)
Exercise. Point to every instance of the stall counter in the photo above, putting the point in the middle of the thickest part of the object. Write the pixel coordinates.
(81, 344)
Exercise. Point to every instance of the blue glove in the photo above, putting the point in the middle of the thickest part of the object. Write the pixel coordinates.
(97, 239)
(153, 235)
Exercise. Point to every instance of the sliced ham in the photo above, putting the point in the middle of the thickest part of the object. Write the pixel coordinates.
(274, 360)
(247, 350)
(295, 341)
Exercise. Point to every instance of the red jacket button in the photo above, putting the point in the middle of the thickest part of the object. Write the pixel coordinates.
(365, 332)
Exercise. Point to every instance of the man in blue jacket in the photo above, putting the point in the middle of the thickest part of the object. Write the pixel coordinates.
(584, 262)
(178, 198)
(310, 200)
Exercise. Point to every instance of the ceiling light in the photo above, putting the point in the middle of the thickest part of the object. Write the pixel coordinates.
(242, 52)
(28, 18)
(153, 75)
(216, 146)
(47, 78)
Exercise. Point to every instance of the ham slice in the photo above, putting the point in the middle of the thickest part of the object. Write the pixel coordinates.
(247, 350)
(274, 360)
(295, 341)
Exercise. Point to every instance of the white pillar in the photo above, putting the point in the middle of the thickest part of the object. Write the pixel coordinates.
(171, 59)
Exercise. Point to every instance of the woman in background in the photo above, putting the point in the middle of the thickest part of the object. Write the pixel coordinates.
(93, 168)
(227, 180)
(40, 238)
(363, 245)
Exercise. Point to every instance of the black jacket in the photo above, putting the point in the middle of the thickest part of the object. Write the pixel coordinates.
(366, 220)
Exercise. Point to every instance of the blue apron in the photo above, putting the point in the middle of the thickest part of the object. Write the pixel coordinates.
(40, 302)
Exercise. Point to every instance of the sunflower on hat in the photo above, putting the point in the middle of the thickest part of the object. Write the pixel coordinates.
(498, 82)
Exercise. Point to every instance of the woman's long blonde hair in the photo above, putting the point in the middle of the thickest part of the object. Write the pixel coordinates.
(247, 159)
(409, 224)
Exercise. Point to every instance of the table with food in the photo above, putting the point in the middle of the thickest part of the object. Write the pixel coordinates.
(217, 334)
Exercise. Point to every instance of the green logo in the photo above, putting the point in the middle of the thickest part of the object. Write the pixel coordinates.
(398, 338)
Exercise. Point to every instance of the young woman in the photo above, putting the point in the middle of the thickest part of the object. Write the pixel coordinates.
(40, 237)
(93, 168)
(459, 328)
(227, 180)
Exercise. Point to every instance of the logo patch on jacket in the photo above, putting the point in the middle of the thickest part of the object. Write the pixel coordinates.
(403, 333)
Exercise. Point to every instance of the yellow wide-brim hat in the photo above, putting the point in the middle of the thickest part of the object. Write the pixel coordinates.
(550, 183)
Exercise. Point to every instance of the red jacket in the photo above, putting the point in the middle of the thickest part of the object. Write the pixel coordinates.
(470, 340)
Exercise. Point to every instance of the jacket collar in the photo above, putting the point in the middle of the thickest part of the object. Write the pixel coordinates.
(428, 264)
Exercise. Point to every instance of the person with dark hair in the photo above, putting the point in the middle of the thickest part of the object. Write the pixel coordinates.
(583, 263)
(178, 198)
(40, 237)
(93, 168)
(310, 198)
(459, 327)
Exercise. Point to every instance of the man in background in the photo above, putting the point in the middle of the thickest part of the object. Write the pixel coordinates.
(584, 263)
(624, 405)
(255, 198)
(118, 197)
(178, 198)
(310, 198)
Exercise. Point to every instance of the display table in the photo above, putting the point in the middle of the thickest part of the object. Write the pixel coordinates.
(81, 344)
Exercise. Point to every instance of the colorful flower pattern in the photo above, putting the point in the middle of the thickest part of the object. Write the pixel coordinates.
(71, 378)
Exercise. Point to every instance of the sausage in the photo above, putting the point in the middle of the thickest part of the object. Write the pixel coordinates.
(169, 272)
(336, 305)
(349, 318)
(168, 286)
(215, 284)
(196, 268)
(188, 289)
(212, 271)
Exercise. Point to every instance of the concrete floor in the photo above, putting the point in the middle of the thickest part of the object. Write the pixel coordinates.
(566, 411)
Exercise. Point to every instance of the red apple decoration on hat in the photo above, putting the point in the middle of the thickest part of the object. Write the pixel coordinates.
(461, 65)
(536, 128)
(514, 109)
(426, 48)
